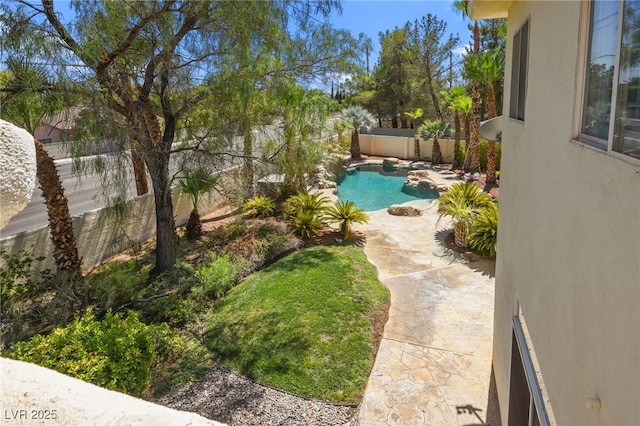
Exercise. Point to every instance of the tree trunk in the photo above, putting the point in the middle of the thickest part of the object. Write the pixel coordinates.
(491, 148)
(65, 251)
(166, 237)
(474, 145)
(139, 173)
(355, 146)
(194, 225)
(248, 170)
(456, 144)
(467, 141)
(436, 155)
(416, 149)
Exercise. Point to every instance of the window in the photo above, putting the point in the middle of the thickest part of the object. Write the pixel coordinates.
(610, 116)
(519, 72)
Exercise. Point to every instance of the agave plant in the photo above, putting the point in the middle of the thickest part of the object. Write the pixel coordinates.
(483, 238)
(345, 213)
(463, 202)
(259, 206)
(196, 183)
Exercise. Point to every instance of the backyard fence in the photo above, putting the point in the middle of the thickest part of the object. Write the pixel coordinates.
(403, 147)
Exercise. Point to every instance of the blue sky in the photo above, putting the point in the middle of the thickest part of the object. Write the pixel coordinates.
(374, 16)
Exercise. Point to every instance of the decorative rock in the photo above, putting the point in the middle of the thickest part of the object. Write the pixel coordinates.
(400, 210)
(420, 179)
(390, 162)
(18, 165)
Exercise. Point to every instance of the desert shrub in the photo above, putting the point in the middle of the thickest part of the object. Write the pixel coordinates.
(483, 238)
(180, 358)
(235, 230)
(180, 278)
(16, 275)
(217, 277)
(115, 353)
(175, 310)
(271, 245)
(116, 283)
(259, 206)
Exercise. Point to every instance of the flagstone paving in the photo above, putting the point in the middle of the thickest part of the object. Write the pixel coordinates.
(434, 362)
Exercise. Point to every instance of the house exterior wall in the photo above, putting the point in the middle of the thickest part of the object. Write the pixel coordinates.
(569, 237)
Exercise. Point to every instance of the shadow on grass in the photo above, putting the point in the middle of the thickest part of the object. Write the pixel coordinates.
(258, 344)
(305, 259)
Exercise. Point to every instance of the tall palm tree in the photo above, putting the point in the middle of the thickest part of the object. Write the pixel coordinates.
(415, 116)
(492, 69)
(358, 117)
(435, 130)
(464, 106)
(452, 97)
(472, 161)
(196, 183)
(27, 98)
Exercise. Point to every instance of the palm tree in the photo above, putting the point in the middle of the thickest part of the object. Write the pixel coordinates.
(452, 101)
(345, 213)
(415, 115)
(463, 202)
(358, 117)
(27, 98)
(65, 251)
(463, 105)
(195, 184)
(492, 68)
(435, 130)
(472, 160)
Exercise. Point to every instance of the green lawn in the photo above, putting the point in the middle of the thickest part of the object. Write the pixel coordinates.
(304, 324)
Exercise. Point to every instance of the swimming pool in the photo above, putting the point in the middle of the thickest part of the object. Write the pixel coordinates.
(372, 188)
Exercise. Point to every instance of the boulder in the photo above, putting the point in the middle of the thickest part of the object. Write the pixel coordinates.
(420, 179)
(390, 162)
(404, 210)
(18, 165)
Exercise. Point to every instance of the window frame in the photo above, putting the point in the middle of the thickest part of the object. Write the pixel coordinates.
(599, 145)
(519, 73)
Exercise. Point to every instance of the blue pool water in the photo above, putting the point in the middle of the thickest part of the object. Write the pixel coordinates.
(374, 189)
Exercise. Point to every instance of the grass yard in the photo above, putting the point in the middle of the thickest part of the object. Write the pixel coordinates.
(307, 324)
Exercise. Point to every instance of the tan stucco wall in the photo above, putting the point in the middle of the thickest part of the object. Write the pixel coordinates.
(402, 147)
(569, 238)
(98, 237)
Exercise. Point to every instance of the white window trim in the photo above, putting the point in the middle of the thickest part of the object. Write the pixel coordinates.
(526, 21)
(580, 138)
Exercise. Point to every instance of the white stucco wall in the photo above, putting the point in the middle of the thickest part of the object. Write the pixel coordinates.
(18, 168)
(569, 238)
(402, 147)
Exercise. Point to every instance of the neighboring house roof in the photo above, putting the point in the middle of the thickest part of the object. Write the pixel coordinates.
(488, 9)
(65, 119)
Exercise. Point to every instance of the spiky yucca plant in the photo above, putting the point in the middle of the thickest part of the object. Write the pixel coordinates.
(345, 213)
(463, 202)
(483, 238)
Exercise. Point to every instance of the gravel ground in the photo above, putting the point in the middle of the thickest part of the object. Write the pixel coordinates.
(227, 397)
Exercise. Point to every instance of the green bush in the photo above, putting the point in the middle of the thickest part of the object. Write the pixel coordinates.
(115, 353)
(175, 310)
(483, 238)
(16, 273)
(116, 284)
(271, 244)
(217, 277)
(235, 230)
(259, 206)
(304, 212)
